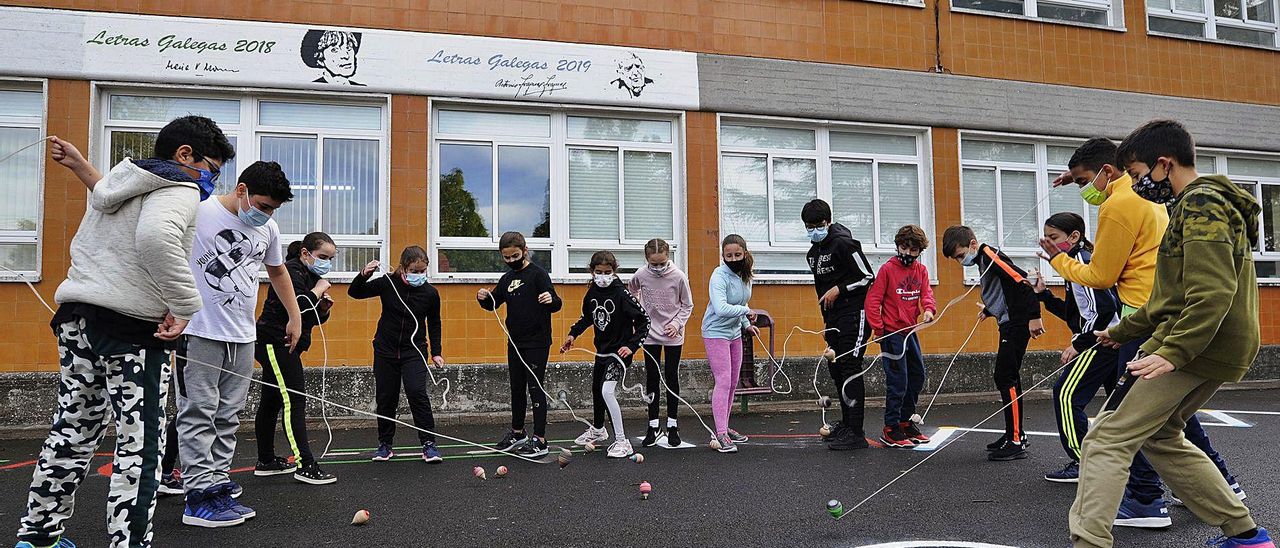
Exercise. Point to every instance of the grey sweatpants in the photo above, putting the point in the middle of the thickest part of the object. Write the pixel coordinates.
(209, 403)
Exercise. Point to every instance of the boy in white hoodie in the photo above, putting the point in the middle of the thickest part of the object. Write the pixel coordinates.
(128, 295)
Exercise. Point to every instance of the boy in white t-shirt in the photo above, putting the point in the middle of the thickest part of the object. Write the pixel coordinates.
(235, 236)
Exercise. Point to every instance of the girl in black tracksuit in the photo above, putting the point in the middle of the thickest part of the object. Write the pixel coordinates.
(621, 325)
(530, 300)
(410, 316)
(307, 261)
(1085, 310)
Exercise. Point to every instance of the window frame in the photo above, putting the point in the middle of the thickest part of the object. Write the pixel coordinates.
(1030, 12)
(1220, 157)
(40, 124)
(248, 134)
(559, 245)
(1044, 174)
(824, 157)
(1211, 21)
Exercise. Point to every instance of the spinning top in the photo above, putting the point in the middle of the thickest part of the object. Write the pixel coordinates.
(824, 402)
(637, 458)
(590, 447)
(361, 517)
(501, 472)
(825, 431)
(566, 456)
(478, 472)
(645, 489)
(835, 508)
(715, 444)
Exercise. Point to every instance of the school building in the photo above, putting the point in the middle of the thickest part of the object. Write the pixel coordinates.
(599, 124)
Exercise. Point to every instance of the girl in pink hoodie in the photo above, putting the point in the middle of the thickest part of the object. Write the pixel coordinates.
(663, 291)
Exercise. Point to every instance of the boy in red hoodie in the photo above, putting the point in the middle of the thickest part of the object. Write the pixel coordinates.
(898, 296)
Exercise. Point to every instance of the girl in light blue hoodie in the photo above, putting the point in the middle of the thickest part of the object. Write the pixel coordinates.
(727, 316)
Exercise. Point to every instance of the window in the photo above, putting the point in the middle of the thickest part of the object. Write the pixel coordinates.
(572, 182)
(1260, 175)
(1006, 194)
(332, 151)
(1248, 22)
(21, 179)
(873, 177)
(1084, 12)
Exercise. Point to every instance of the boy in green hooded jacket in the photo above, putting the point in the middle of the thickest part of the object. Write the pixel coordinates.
(1203, 322)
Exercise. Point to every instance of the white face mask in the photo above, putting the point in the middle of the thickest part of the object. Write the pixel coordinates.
(602, 280)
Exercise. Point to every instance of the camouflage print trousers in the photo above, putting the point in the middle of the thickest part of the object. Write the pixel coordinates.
(101, 377)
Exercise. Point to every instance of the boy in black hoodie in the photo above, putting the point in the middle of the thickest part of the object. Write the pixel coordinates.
(841, 275)
(620, 327)
(1015, 307)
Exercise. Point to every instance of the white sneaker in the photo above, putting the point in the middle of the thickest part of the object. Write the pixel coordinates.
(620, 449)
(592, 435)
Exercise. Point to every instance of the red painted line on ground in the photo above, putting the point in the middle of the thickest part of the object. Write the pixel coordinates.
(245, 469)
(17, 465)
(783, 436)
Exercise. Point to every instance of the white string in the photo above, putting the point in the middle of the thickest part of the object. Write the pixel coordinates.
(444, 397)
(324, 369)
(637, 388)
(663, 379)
(946, 372)
(961, 435)
(15, 153)
(32, 287)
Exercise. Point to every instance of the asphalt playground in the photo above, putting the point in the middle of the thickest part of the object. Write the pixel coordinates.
(772, 493)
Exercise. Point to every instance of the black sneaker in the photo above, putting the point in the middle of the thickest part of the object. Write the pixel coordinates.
(171, 483)
(835, 431)
(673, 436)
(510, 440)
(1069, 474)
(650, 437)
(276, 467)
(996, 445)
(848, 439)
(532, 447)
(1010, 451)
(313, 475)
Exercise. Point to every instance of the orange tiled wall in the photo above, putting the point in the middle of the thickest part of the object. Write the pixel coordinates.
(832, 31)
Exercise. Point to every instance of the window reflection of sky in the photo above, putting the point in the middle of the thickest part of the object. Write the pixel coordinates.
(476, 166)
(524, 179)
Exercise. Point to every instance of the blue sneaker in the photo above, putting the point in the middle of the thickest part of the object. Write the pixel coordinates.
(384, 453)
(430, 453)
(234, 489)
(1133, 513)
(230, 501)
(207, 508)
(62, 543)
(1260, 540)
(1069, 474)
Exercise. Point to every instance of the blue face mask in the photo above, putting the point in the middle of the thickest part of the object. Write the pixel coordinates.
(970, 258)
(321, 266)
(207, 182)
(253, 216)
(415, 280)
(817, 234)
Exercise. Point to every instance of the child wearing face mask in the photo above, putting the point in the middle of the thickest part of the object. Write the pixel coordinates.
(620, 328)
(900, 294)
(307, 261)
(1013, 304)
(1093, 366)
(531, 300)
(664, 293)
(410, 316)
(727, 317)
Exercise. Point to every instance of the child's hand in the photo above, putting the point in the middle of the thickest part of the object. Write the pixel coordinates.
(369, 268)
(829, 298)
(568, 343)
(671, 330)
(1069, 354)
(545, 297)
(755, 331)
(482, 295)
(1104, 338)
(1149, 367)
(982, 312)
(1049, 248)
(624, 352)
(1036, 327)
(928, 316)
(439, 361)
(1038, 285)
(321, 287)
(66, 154)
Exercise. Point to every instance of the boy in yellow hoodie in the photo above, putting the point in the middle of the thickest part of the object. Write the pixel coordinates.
(1202, 318)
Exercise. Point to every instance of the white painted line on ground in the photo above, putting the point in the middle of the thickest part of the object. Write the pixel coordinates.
(935, 544)
(1224, 419)
(1245, 412)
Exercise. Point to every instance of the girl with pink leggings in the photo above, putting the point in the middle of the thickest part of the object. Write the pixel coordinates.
(727, 316)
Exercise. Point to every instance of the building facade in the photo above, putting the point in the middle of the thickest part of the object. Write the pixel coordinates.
(601, 124)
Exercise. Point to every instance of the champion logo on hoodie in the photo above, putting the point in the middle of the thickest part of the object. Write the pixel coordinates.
(908, 289)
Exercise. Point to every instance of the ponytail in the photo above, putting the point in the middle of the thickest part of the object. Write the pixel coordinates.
(747, 271)
(294, 250)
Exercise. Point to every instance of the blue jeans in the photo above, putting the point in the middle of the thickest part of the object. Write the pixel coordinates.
(1144, 482)
(903, 378)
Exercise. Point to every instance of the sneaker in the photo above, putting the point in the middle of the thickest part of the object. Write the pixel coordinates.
(592, 435)
(1235, 488)
(234, 489)
(620, 449)
(835, 431)
(171, 483)
(673, 436)
(207, 508)
(1259, 540)
(1069, 474)
(244, 511)
(276, 467)
(510, 440)
(1153, 515)
(384, 453)
(532, 447)
(726, 444)
(848, 439)
(430, 454)
(313, 475)
(62, 543)
(650, 437)
(895, 436)
(736, 437)
(914, 433)
(996, 445)
(1010, 451)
